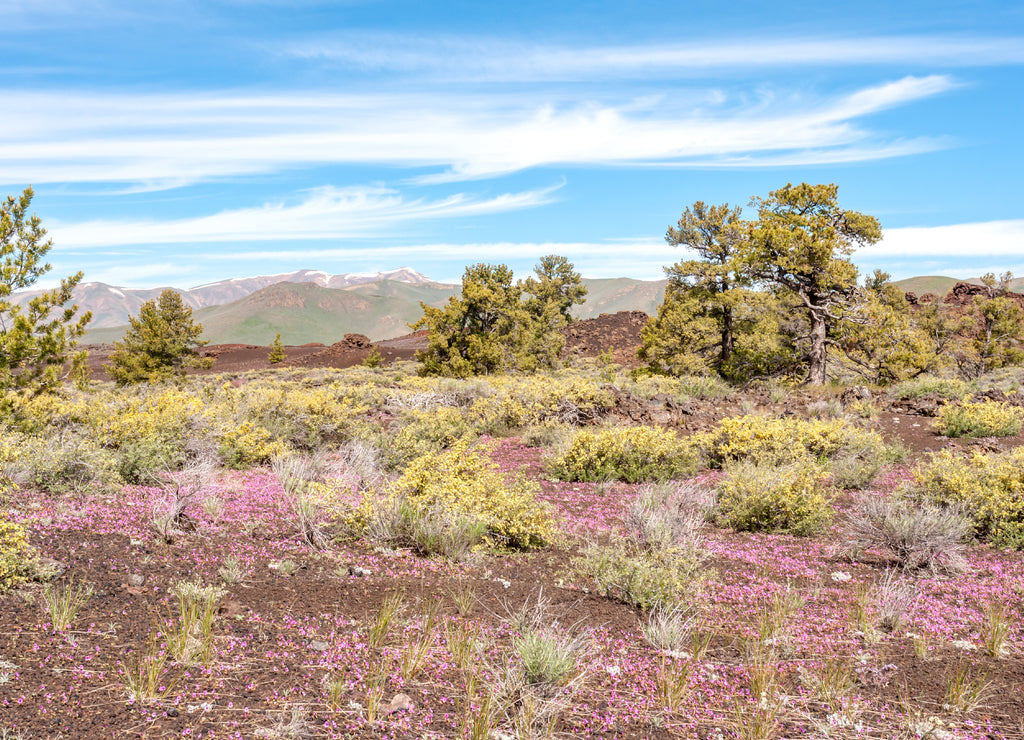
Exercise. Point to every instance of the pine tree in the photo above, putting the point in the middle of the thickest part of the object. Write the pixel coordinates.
(34, 342)
(160, 344)
(276, 351)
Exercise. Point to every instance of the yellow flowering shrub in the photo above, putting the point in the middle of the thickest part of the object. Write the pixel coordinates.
(165, 414)
(15, 554)
(767, 439)
(788, 498)
(631, 454)
(248, 444)
(466, 483)
(426, 433)
(989, 489)
(303, 417)
(984, 419)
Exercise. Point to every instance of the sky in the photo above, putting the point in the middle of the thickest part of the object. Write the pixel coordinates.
(183, 142)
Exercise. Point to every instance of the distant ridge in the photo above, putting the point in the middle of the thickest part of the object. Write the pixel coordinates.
(306, 311)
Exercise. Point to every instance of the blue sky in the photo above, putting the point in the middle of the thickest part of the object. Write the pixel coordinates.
(187, 141)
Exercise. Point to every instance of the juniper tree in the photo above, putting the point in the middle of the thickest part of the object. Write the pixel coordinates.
(801, 244)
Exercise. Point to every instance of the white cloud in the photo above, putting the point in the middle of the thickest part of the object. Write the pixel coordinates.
(484, 58)
(325, 213)
(980, 241)
(172, 140)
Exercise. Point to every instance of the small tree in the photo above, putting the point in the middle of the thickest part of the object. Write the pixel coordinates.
(800, 244)
(991, 334)
(276, 351)
(497, 325)
(557, 284)
(885, 344)
(34, 341)
(160, 344)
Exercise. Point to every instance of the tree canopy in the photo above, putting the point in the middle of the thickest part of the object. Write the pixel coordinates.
(499, 324)
(161, 343)
(35, 340)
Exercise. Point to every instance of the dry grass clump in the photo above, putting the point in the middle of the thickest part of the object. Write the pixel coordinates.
(917, 536)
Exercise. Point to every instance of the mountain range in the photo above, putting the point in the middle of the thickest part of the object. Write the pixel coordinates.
(314, 306)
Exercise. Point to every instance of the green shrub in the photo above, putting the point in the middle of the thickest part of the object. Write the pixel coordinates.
(141, 461)
(987, 489)
(62, 466)
(858, 468)
(630, 454)
(432, 531)
(789, 498)
(466, 484)
(949, 388)
(247, 445)
(767, 440)
(646, 579)
(985, 419)
(16, 555)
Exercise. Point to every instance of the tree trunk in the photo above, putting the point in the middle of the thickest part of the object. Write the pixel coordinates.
(816, 372)
(726, 336)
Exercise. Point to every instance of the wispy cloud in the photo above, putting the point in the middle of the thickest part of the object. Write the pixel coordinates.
(325, 213)
(501, 59)
(170, 140)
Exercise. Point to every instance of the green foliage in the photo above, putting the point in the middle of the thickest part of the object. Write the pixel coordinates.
(467, 484)
(800, 244)
(987, 489)
(789, 498)
(881, 340)
(497, 325)
(276, 351)
(695, 329)
(160, 344)
(640, 578)
(985, 419)
(991, 335)
(426, 531)
(631, 454)
(16, 555)
(427, 433)
(64, 465)
(556, 284)
(950, 388)
(374, 359)
(35, 341)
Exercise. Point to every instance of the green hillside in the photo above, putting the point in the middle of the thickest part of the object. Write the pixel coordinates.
(621, 294)
(936, 284)
(305, 312)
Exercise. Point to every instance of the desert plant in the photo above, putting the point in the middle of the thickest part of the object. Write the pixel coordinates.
(414, 655)
(996, 629)
(642, 579)
(790, 498)
(190, 639)
(630, 454)
(672, 683)
(917, 536)
(855, 469)
(464, 598)
(778, 441)
(669, 629)
(984, 419)
(667, 517)
(985, 488)
(468, 485)
(832, 682)
(966, 691)
(948, 388)
(435, 531)
(384, 620)
(63, 602)
(16, 555)
(550, 654)
(63, 465)
(231, 570)
(893, 599)
(145, 673)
